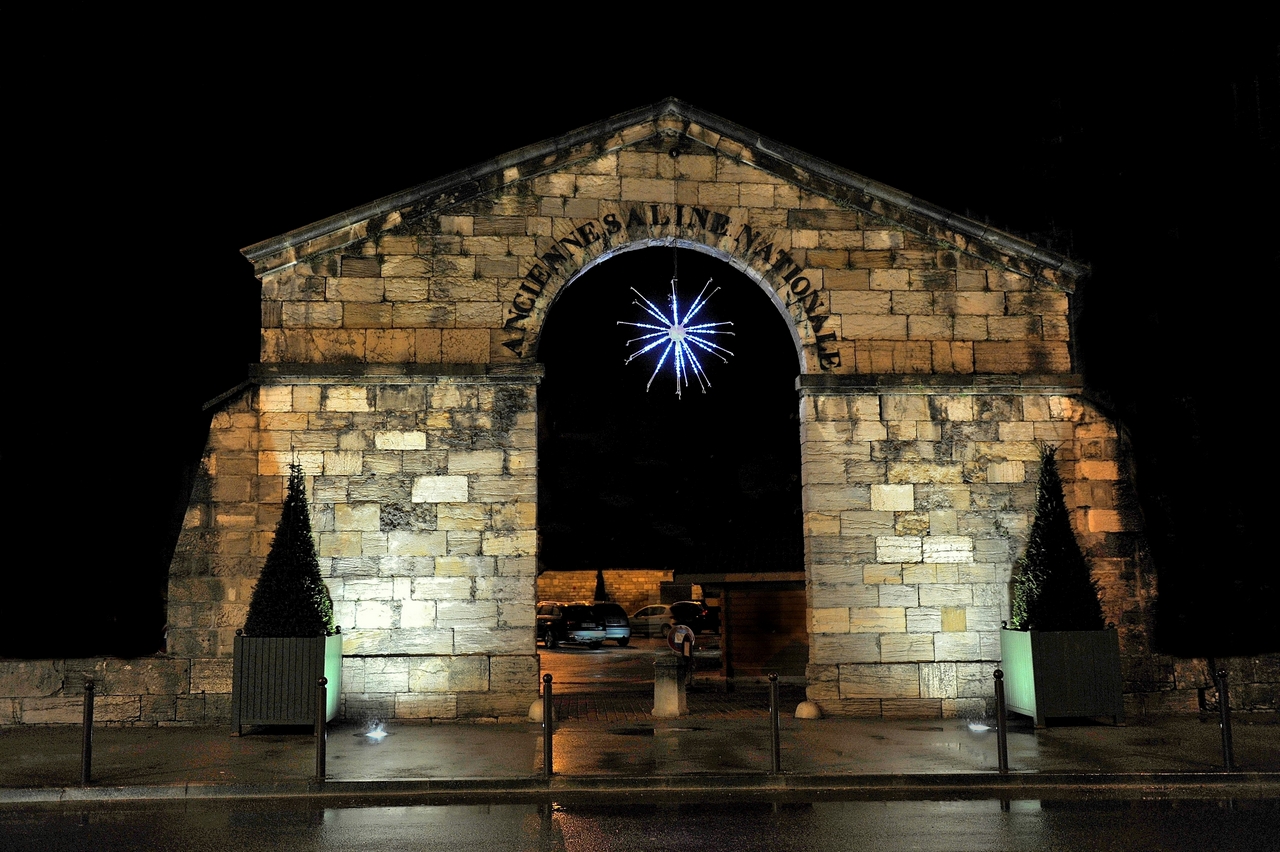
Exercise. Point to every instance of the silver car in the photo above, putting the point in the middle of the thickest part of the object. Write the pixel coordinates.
(614, 618)
(652, 620)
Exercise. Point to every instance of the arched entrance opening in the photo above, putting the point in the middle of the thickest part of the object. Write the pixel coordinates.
(704, 485)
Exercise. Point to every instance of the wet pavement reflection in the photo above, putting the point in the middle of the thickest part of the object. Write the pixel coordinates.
(292, 824)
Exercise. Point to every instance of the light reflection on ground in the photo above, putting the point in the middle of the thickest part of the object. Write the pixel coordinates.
(623, 826)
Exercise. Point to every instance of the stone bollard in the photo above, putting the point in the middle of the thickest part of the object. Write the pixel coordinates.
(669, 699)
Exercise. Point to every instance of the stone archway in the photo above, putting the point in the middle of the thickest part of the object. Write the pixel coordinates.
(705, 486)
(400, 347)
(733, 263)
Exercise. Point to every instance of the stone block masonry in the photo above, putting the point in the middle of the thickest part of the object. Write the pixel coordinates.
(629, 588)
(399, 368)
(424, 505)
(909, 577)
(469, 281)
(161, 692)
(916, 499)
(149, 691)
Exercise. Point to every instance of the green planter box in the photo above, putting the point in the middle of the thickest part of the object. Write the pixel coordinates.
(274, 681)
(1054, 674)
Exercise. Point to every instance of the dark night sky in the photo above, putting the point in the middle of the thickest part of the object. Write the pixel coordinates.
(1156, 165)
(646, 479)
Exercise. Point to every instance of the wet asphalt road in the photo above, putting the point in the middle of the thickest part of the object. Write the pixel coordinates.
(680, 827)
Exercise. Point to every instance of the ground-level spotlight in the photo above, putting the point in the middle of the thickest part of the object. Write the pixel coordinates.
(377, 732)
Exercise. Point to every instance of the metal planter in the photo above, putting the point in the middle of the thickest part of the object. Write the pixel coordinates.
(275, 681)
(1051, 674)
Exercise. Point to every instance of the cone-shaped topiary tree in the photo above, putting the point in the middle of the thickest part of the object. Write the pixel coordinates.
(601, 593)
(290, 598)
(1052, 587)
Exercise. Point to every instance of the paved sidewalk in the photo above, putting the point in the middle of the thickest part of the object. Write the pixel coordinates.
(714, 749)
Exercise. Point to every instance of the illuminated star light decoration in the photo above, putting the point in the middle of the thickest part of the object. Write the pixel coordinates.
(675, 333)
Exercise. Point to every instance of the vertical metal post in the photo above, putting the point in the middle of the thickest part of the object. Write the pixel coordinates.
(322, 732)
(547, 827)
(686, 652)
(1002, 725)
(548, 720)
(726, 639)
(773, 723)
(1224, 709)
(86, 743)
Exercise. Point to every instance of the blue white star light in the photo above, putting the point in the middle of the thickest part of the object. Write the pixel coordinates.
(676, 334)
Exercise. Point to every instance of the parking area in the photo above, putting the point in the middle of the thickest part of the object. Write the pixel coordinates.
(613, 684)
(614, 668)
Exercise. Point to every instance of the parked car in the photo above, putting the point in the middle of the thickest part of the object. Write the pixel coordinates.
(697, 616)
(614, 617)
(569, 624)
(658, 619)
(652, 620)
(711, 617)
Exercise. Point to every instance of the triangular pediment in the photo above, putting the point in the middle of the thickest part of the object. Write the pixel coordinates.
(464, 269)
(670, 125)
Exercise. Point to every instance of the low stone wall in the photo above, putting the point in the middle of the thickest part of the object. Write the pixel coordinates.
(148, 691)
(160, 691)
(1253, 682)
(631, 589)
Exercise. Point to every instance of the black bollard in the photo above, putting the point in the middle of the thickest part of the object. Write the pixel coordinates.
(548, 718)
(1224, 709)
(322, 732)
(86, 743)
(773, 723)
(1002, 725)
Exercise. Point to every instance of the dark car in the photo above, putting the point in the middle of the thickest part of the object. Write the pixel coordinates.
(657, 619)
(569, 624)
(697, 616)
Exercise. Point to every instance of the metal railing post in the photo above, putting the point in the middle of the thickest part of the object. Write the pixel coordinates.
(775, 738)
(1002, 725)
(86, 742)
(322, 733)
(1224, 710)
(548, 721)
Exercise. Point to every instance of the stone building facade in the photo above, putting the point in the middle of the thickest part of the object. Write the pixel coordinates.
(399, 368)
